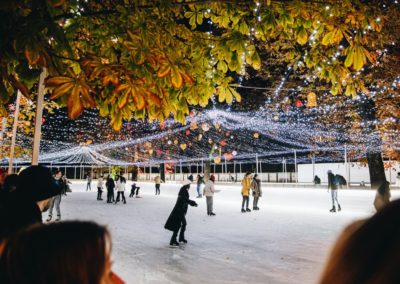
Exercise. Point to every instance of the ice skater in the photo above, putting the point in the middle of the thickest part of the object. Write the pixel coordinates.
(333, 185)
(110, 185)
(208, 192)
(120, 185)
(56, 201)
(256, 191)
(200, 181)
(176, 221)
(246, 184)
(157, 181)
(134, 189)
(89, 182)
(100, 183)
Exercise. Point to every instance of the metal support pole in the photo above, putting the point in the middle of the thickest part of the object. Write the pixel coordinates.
(346, 166)
(38, 118)
(3, 129)
(313, 167)
(295, 167)
(256, 163)
(14, 133)
(75, 172)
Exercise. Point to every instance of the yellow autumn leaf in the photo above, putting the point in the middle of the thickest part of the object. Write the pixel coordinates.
(302, 36)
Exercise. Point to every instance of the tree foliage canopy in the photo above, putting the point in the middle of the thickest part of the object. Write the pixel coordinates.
(154, 59)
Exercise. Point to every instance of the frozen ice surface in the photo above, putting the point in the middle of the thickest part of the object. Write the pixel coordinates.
(287, 241)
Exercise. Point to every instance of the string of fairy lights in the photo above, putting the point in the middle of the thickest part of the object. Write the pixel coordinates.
(238, 136)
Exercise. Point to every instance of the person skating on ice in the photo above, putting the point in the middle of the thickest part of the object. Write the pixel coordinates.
(208, 192)
(134, 190)
(157, 181)
(89, 182)
(200, 181)
(333, 185)
(176, 221)
(256, 191)
(110, 185)
(120, 186)
(100, 184)
(246, 184)
(56, 201)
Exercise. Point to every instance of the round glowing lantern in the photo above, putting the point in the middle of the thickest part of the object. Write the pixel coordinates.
(311, 99)
(205, 126)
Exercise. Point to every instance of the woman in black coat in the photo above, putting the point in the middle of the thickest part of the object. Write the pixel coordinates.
(177, 218)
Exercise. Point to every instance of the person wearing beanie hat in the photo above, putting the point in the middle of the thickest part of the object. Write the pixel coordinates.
(208, 192)
(176, 221)
(23, 206)
(256, 190)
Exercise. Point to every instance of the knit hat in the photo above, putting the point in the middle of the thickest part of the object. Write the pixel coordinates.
(37, 183)
(190, 178)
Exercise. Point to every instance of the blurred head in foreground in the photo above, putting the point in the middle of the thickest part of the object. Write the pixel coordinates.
(367, 251)
(58, 253)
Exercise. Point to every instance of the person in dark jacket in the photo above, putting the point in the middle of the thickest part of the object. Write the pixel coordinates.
(57, 199)
(176, 220)
(134, 189)
(200, 181)
(333, 185)
(317, 180)
(110, 185)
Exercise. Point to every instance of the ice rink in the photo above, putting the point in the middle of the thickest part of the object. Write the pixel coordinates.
(287, 241)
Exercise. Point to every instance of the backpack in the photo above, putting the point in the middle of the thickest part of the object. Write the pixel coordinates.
(336, 180)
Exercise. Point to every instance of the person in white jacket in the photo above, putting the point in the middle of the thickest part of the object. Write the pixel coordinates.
(120, 186)
(208, 192)
(100, 184)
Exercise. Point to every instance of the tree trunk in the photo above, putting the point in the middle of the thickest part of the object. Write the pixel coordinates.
(367, 112)
(207, 170)
(376, 169)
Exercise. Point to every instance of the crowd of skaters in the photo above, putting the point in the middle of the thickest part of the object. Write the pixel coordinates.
(366, 252)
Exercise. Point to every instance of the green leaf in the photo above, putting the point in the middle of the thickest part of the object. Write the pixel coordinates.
(302, 36)
(350, 57)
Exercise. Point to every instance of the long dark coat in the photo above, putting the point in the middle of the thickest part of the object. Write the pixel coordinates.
(178, 213)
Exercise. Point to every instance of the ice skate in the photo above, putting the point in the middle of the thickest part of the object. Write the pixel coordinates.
(339, 208)
(212, 214)
(248, 210)
(333, 209)
(174, 244)
(58, 218)
(183, 241)
(48, 218)
(243, 211)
